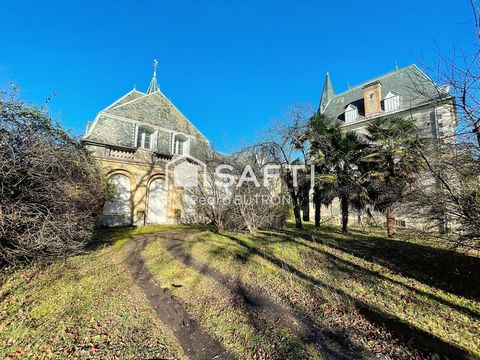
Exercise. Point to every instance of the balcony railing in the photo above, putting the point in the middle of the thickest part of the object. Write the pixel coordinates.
(120, 154)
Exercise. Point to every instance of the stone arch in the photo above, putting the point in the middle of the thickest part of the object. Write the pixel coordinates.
(118, 211)
(157, 200)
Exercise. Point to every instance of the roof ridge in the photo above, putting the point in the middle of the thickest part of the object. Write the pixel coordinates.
(374, 79)
(121, 98)
(129, 102)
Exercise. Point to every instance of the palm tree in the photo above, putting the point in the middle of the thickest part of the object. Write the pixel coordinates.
(337, 156)
(349, 149)
(394, 163)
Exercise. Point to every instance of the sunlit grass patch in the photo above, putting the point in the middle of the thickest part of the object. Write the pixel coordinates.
(246, 332)
(85, 306)
(115, 234)
(326, 280)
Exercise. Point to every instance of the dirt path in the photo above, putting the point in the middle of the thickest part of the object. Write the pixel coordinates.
(331, 345)
(195, 342)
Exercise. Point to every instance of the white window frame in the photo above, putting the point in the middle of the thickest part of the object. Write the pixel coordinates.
(392, 102)
(351, 114)
(185, 146)
(142, 141)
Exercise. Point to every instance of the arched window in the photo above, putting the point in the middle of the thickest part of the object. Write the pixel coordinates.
(119, 204)
(144, 138)
(180, 145)
(157, 202)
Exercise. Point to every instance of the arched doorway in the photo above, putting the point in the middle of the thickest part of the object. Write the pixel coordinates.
(157, 202)
(118, 210)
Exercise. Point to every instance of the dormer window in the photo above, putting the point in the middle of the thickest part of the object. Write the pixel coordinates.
(180, 144)
(351, 114)
(144, 138)
(392, 101)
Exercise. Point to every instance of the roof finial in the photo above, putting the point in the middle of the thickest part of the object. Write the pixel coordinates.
(153, 87)
(155, 64)
(396, 66)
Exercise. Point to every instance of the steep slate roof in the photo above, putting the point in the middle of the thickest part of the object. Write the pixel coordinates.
(327, 92)
(132, 95)
(155, 109)
(413, 86)
(152, 109)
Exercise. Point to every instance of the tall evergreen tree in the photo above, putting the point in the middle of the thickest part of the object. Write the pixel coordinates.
(394, 163)
(337, 155)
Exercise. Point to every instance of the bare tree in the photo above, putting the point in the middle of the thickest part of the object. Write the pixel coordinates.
(450, 196)
(51, 189)
(227, 201)
(286, 145)
(459, 73)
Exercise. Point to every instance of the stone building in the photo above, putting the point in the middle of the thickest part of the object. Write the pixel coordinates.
(140, 140)
(406, 92)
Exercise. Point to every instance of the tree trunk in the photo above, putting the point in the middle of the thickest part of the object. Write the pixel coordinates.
(318, 206)
(476, 131)
(296, 212)
(296, 206)
(344, 208)
(390, 222)
(306, 211)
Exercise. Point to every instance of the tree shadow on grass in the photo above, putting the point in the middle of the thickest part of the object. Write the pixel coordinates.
(263, 314)
(346, 265)
(441, 268)
(413, 335)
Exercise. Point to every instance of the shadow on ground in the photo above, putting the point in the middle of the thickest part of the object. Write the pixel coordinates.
(441, 268)
(412, 335)
(261, 310)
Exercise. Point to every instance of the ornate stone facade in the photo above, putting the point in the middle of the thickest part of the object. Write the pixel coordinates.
(135, 139)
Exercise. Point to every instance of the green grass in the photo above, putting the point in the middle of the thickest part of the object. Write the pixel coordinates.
(88, 306)
(85, 306)
(120, 234)
(218, 311)
(336, 276)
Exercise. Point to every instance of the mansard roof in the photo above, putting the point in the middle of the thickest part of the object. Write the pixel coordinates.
(414, 87)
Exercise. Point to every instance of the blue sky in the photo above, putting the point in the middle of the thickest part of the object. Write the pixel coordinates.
(230, 67)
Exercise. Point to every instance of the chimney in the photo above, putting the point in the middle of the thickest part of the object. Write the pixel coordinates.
(372, 97)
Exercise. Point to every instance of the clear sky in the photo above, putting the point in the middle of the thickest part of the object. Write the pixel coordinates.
(230, 67)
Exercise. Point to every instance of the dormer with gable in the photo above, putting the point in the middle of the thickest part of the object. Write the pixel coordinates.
(392, 101)
(351, 114)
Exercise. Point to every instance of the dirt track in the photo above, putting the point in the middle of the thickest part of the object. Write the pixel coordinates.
(196, 343)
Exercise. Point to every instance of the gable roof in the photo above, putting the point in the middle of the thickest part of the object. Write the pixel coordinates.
(131, 95)
(414, 87)
(155, 109)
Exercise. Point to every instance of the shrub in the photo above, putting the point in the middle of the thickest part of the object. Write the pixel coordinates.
(50, 188)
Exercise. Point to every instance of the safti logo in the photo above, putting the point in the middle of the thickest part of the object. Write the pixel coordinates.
(223, 174)
(187, 169)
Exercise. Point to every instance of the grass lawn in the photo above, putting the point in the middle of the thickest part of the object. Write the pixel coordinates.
(370, 294)
(369, 290)
(82, 307)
